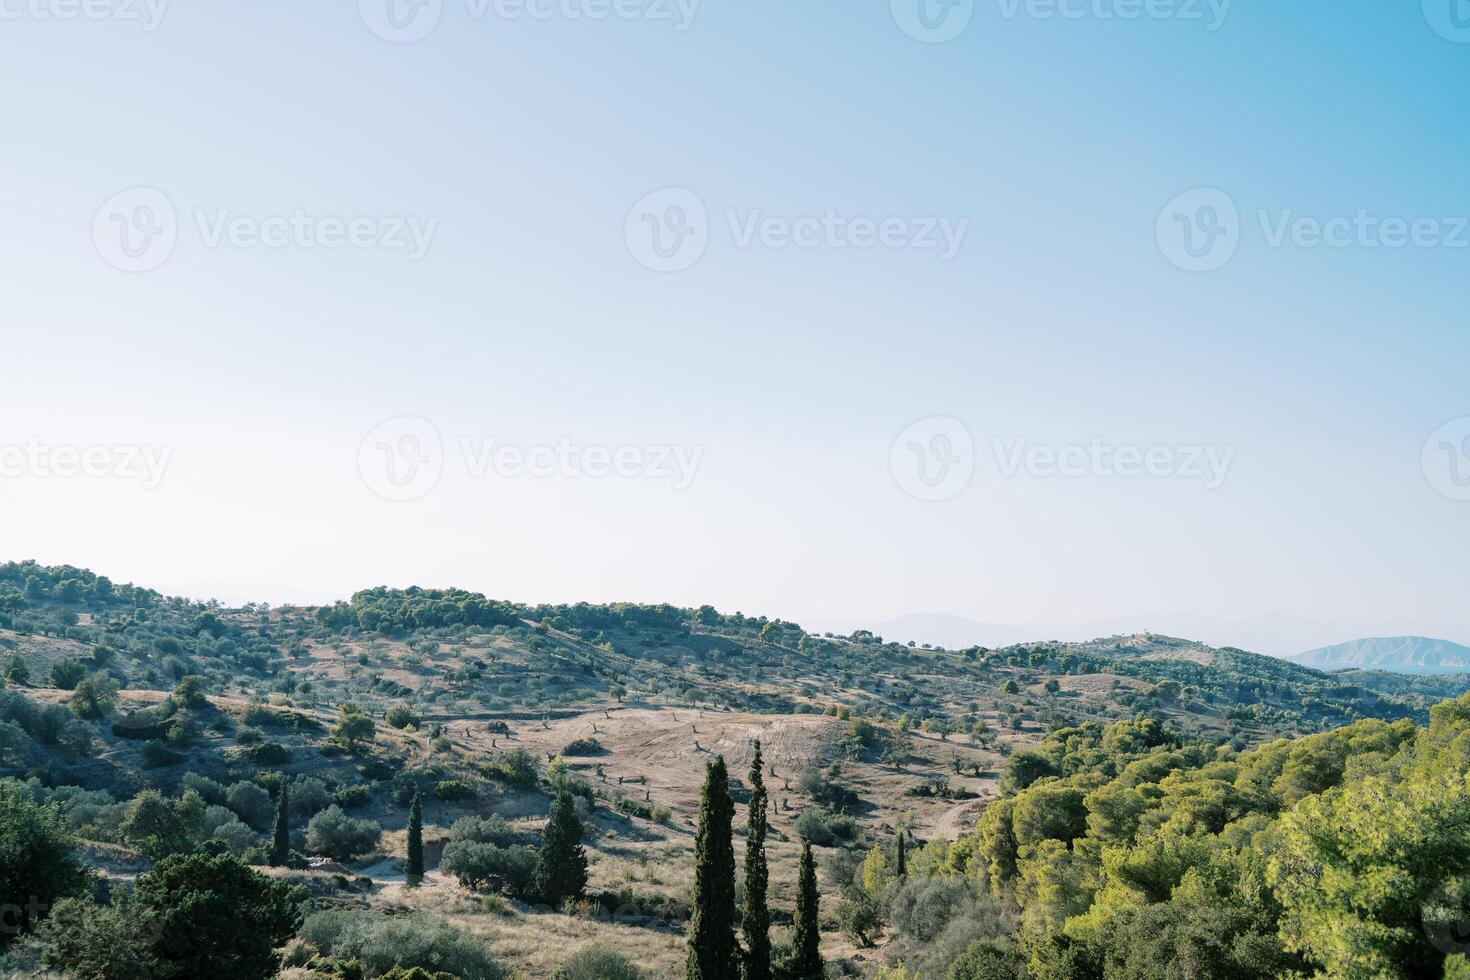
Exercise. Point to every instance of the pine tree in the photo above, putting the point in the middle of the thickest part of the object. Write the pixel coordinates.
(281, 841)
(806, 938)
(903, 860)
(756, 922)
(713, 954)
(561, 864)
(414, 866)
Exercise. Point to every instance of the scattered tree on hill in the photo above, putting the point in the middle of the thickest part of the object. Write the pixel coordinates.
(561, 864)
(755, 922)
(806, 939)
(281, 840)
(713, 953)
(414, 865)
(353, 727)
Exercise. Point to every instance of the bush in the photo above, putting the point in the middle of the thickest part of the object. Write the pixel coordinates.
(253, 804)
(67, 673)
(583, 746)
(249, 736)
(595, 963)
(350, 797)
(268, 754)
(333, 833)
(415, 940)
(403, 717)
(824, 828)
(309, 795)
(157, 755)
(482, 865)
(454, 789)
(208, 790)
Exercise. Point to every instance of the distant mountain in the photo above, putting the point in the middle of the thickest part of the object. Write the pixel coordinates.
(1402, 654)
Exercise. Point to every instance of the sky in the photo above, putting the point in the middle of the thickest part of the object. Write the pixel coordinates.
(1034, 312)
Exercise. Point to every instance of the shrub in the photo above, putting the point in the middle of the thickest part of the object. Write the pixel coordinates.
(309, 795)
(66, 673)
(415, 940)
(482, 865)
(595, 963)
(583, 746)
(333, 833)
(268, 754)
(824, 828)
(403, 717)
(252, 803)
(157, 755)
(454, 789)
(248, 736)
(208, 790)
(350, 797)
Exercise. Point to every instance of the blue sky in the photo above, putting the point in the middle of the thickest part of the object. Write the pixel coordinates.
(525, 143)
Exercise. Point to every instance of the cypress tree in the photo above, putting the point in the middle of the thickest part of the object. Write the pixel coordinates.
(561, 864)
(903, 861)
(806, 939)
(414, 866)
(713, 954)
(756, 922)
(281, 841)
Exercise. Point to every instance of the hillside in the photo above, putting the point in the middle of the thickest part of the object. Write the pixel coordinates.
(120, 701)
(1404, 654)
